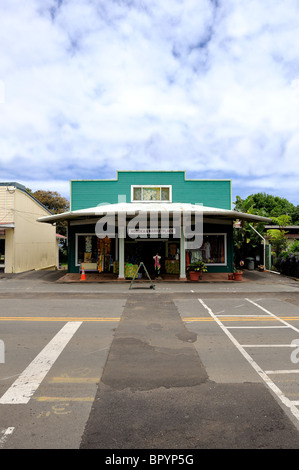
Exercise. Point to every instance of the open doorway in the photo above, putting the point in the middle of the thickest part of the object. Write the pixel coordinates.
(144, 251)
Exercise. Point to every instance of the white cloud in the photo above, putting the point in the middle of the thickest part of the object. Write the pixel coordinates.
(92, 87)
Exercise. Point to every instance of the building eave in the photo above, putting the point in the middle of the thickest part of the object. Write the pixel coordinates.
(154, 207)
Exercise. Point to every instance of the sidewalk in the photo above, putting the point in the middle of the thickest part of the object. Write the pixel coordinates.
(100, 278)
(248, 276)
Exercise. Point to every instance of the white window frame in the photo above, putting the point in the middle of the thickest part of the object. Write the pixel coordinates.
(160, 186)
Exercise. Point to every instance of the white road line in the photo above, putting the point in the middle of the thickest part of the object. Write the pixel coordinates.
(245, 316)
(255, 327)
(269, 345)
(255, 366)
(283, 371)
(272, 315)
(5, 433)
(27, 383)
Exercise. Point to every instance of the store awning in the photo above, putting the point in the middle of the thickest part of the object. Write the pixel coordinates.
(7, 225)
(133, 208)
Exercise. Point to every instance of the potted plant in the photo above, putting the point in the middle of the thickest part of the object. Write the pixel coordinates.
(196, 269)
(238, 275)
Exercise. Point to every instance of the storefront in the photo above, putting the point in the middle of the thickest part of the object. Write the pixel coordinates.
(113, 225)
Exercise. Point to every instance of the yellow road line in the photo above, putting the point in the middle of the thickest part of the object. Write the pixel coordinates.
(64, 399)
(116, 319)
(236, 318)
(64, 319)
(74, 380)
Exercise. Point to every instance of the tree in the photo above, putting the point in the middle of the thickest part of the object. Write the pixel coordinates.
(277, 236)
(52, 200)
(272, 206)
(56, 203)
(246, 241)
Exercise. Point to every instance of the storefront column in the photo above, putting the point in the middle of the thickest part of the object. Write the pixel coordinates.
(182, 257)
(121, 257)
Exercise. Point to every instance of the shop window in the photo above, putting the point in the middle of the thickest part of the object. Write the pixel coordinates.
(212, 251)
(86, 251)
(2, 251)
(151, 193)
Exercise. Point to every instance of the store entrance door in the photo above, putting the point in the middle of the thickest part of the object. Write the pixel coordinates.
(144, 251)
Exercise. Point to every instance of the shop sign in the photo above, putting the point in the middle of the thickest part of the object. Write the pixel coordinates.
(151, 231)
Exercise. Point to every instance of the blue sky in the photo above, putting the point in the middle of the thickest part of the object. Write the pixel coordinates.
(89, 87)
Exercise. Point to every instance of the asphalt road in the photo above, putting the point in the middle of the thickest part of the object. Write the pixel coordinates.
(182, 366)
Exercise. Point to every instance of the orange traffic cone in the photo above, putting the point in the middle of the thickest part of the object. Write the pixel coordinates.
(83, 277)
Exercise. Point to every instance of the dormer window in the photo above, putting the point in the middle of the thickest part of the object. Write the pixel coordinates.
(151, 193)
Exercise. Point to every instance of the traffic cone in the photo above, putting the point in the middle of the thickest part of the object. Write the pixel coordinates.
(83, 277)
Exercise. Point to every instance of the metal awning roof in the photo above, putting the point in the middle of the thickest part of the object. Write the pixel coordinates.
(7, 225)
(157, 207)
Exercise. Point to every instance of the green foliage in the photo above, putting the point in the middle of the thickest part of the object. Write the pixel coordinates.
(277, 239)
(271, 206)
(55, 203)
(52, 200)
(294, 247)
(198, 266)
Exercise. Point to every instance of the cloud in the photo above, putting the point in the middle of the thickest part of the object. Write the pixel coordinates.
(206, 86)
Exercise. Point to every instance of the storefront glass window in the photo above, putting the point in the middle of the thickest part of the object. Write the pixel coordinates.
(212, 251)
(86, 249)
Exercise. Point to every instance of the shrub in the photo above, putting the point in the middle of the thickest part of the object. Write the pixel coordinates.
(288, 263)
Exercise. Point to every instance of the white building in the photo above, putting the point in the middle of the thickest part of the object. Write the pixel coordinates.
(25, 244)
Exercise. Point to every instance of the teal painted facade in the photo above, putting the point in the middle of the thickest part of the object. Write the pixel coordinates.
(90, 193)
(211, 193)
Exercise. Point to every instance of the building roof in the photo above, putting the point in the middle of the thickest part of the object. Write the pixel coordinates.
(157, 207)
(22, 188)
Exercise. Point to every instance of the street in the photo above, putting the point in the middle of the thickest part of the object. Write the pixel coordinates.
(181, 366)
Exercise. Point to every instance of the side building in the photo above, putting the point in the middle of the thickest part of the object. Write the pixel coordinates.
(160, 196)
(25, 244)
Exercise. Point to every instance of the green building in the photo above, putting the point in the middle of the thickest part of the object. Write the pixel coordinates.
(113, 225)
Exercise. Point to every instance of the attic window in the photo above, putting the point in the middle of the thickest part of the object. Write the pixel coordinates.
(151, 193)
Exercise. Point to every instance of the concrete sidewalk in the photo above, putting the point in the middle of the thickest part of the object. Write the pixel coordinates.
(59, 282)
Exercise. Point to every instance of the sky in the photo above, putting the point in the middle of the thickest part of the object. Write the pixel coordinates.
(211, 87)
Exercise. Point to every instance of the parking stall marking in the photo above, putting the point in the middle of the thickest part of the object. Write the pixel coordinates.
(27, 383)
(5, 434)
(290, 404)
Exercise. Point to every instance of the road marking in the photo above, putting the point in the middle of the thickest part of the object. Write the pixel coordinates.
(290, 371)
(64, 399)
(5, 433)
(289, 403)
(27, 383)
(239, 318)
(74, 380)
(269, 345)
(63, 319)
(116, 319)
(272, 315)
(259, 327)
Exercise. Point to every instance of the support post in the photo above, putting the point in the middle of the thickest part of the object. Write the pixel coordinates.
(121, 256)
(182, 257)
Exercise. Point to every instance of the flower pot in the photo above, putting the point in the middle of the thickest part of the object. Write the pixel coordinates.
(230, 277)
(238, 276)
(194, 275)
